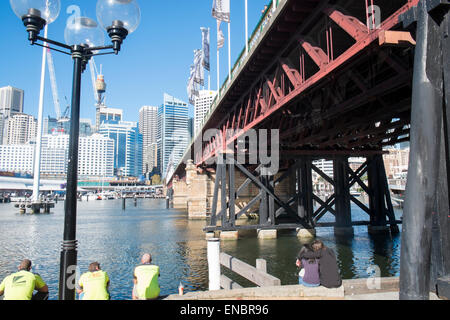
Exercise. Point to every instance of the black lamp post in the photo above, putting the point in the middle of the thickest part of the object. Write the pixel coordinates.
(84, 39)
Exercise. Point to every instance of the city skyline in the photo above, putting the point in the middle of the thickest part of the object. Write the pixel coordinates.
(142, 65)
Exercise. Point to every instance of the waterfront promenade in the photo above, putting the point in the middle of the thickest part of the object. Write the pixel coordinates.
(356, 289)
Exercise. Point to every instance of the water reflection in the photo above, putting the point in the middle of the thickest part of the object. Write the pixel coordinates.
(117, 239)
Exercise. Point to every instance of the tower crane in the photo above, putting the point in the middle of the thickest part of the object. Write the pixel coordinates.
(99, 86)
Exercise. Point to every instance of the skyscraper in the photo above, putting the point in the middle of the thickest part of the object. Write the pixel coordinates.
(21, 129)
(148, 127)
(11, 101)
(127, 147)
(202, 106)
(173, 132)
(108, 115)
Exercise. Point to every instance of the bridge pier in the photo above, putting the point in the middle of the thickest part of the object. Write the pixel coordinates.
(343, 224)
(380, 203)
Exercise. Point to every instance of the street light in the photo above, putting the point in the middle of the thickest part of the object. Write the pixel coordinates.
(84, 39)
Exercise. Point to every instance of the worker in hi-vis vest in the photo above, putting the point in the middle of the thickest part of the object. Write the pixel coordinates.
(146, 275)
(21, 285)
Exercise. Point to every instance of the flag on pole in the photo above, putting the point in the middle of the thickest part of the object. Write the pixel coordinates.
(220, 36)
(221, 10)
(199, 74)
(205, 48)
(192, 87)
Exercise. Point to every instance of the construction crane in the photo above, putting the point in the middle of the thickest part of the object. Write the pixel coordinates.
(99, 86)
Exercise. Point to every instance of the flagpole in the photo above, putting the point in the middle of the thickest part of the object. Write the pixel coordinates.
(209, 52)
(246, 26)
(218, 59)
(229, 52)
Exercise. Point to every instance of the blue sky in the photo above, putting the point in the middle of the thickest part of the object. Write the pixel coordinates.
(154, 59)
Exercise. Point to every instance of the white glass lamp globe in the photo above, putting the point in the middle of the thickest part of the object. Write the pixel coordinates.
(119, 13)
(83, 31)
(45, 9)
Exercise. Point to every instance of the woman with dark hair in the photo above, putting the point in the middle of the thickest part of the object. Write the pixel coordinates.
(329, 270)
(311, 277)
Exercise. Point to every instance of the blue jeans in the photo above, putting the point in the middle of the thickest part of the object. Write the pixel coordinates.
(303, 283)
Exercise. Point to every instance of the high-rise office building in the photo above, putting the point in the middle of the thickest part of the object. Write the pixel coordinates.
(127, 148)
(21, 129)
(85, 128)
(173, 132)
(11, 101)
(108, 115)
(148, 127)
(202, 106)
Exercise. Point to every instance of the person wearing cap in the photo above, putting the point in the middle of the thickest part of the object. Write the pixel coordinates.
(93, 285)
(146, 285)
(21, 285)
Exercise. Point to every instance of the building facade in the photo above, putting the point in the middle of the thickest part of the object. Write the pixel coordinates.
(95, 156)
(201, 108)
(396, 162)
(148, 127)
(17, 158)
(107, 115)
(127, 154)
(11, 101)
(20, 129)
(173, 132)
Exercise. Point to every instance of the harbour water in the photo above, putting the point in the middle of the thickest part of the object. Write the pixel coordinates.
(117, 238)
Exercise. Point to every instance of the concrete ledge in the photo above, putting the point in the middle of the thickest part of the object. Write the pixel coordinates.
(229, 235)
(266, 293)
(306, 233)
(267, 234)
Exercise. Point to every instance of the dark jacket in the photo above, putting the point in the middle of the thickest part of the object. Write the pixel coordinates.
(329, 270)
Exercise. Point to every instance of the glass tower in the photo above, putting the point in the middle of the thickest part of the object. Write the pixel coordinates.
(173, 133)
(127, 147)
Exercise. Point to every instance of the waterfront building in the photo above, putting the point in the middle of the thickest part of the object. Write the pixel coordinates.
(148, 127)
(127, 154)
(201, 107)
(17, 158)
(11, 101)
(173, 132)
(396, 162)
(21, 129)
(95, 156)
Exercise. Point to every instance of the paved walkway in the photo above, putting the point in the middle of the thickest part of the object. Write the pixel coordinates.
(357, 289)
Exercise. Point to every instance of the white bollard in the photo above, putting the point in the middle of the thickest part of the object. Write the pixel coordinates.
(214, 263)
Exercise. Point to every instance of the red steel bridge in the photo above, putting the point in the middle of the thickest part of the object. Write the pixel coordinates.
(336, 78)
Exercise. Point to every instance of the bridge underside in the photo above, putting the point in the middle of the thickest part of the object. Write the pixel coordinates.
(334, 87)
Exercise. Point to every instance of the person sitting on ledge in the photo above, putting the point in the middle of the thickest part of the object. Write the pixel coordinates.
(328, 267)
(146, 285)
(20, 285)
(310, 278)
(93, 285)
